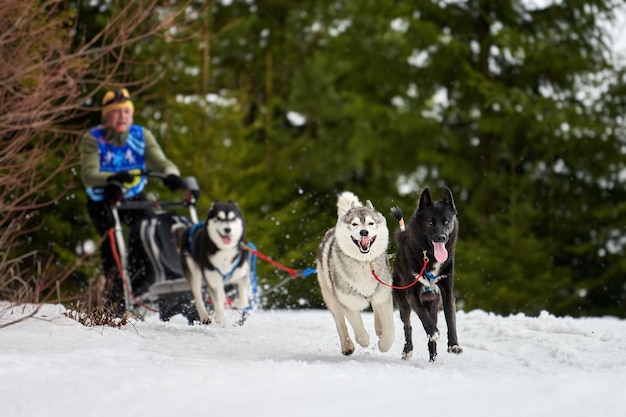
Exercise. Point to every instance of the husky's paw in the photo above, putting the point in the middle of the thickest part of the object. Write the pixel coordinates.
(455, 349)
(347, 347)
(434, 337)
(242, 319)
(205, 319)
(385, 342)
(363, 340)
(240, 304)
(384, 346)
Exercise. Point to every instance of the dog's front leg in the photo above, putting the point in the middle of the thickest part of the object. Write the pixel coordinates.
(215, 286)
(427, 313)
(356, 321)
(405, 315)
(244, 293)
(449, 311)
(383, 323)
(194, 280)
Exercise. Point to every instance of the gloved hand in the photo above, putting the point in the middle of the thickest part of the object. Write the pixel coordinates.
(113, 192)
(173, 182)
(121, 177)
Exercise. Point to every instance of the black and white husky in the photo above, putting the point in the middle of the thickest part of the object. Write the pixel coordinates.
(351, 262)
(213, 251)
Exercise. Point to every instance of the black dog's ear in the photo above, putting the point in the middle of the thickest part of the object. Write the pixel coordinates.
(447, 198)
(425, 198)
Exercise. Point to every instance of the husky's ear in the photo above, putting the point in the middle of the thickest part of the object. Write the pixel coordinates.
(211, 213)
(447, 198)
(425, 198)
(234, 204)
(369, 204)
(345, 202)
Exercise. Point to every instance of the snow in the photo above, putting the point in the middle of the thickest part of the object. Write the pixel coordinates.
(288, 363)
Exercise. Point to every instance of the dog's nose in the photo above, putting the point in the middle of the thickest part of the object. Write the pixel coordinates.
(227, 230)
(363, 232)
(442, 238)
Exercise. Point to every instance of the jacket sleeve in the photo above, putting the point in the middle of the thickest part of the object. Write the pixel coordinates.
(90, 163)
(155, 157)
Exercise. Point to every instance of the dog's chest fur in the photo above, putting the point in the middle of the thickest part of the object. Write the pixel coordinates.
(224, 260)
(354, 282)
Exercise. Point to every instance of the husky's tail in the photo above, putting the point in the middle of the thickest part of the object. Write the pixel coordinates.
(396, 213)
(346, 201)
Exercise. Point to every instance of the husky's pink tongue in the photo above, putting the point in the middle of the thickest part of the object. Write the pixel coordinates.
(441, 253)
(226, 240)
(365, 241)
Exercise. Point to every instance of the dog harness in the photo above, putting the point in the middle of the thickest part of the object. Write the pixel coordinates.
(432, 279)
(192, 231)
(230, 273)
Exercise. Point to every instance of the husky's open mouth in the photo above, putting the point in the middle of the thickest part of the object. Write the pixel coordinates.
(365, 243)
(226, 239)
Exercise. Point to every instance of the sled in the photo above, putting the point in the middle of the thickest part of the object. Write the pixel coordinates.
(169, 294)
(169, 290)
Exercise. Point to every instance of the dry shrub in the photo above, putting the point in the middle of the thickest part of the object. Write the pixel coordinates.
(93, 310)
(48, 73)
(98, 316)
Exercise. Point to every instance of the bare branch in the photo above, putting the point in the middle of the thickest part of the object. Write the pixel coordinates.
(47, 77)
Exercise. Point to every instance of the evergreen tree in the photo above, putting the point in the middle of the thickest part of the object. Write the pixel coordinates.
(280, 106)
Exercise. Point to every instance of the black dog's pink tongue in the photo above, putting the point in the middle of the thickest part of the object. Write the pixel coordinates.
(441, 253)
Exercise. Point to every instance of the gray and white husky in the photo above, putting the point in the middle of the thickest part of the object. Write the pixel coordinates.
(213, 251)
(351, 259)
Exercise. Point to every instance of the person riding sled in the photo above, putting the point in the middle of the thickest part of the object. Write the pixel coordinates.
(112, 155)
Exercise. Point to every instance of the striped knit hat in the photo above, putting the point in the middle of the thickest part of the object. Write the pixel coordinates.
(116, 99)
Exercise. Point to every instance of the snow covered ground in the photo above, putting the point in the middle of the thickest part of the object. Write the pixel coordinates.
(288, 363)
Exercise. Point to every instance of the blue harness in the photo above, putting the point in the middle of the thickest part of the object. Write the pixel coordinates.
(431, 278)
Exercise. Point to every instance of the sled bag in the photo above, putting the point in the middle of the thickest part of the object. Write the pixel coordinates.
(158, 241)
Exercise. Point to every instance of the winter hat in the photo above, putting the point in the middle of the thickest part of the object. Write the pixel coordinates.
(116, 99)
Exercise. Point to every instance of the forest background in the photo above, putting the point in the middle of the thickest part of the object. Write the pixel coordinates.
(517, 106)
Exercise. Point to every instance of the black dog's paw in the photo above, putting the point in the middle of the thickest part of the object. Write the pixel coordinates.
(407, 352)
(433, 337)
(455, 349)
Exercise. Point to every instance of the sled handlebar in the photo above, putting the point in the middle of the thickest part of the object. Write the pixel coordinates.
(189, 186)
(189, 183)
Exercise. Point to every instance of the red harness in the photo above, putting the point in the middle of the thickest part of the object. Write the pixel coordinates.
(403, 287)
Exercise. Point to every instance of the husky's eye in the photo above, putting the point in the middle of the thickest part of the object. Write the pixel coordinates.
(354, 224)
(371, 223)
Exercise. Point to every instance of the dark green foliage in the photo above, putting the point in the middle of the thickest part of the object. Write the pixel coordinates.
(497, 101)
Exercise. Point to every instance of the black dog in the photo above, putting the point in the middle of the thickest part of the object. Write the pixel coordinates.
(423, 270)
